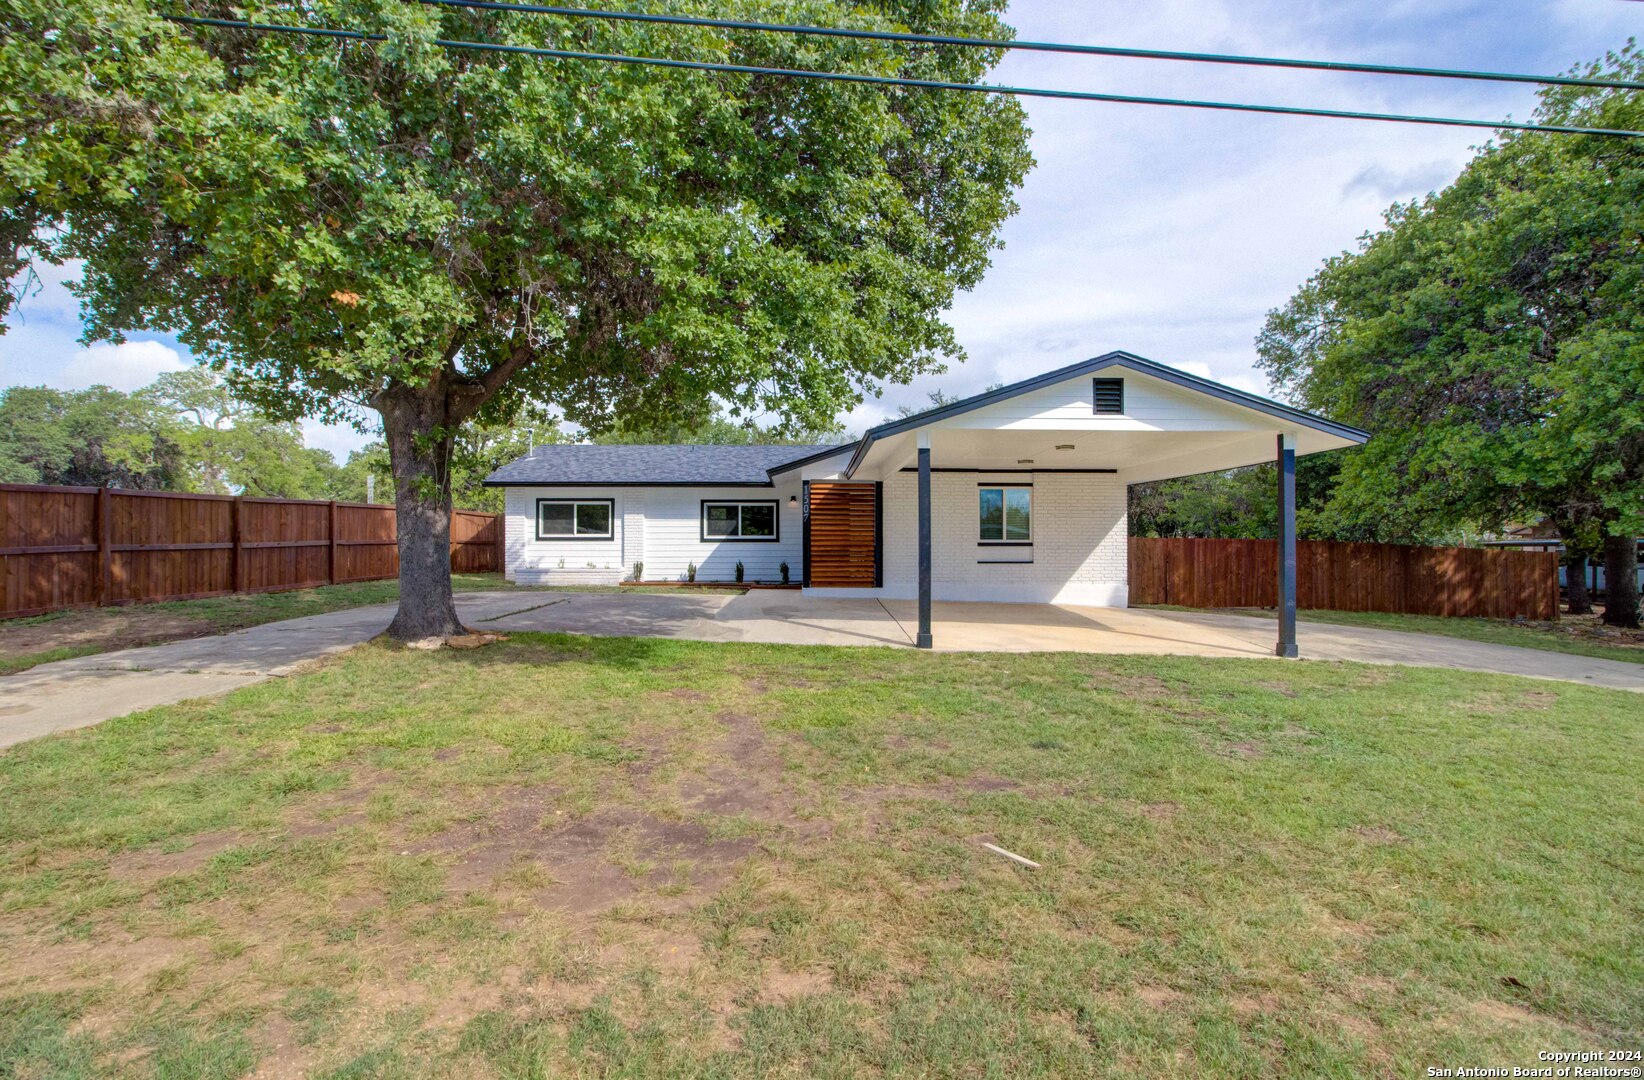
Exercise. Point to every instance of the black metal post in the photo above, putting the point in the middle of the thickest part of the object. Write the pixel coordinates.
(1287, 551)
(923, 641)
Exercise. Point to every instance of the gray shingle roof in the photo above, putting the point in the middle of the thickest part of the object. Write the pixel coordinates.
(582, 464)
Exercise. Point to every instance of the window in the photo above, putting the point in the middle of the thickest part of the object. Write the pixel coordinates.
(575, 519)
(1006, 515)
(747, 521)
(1108, 396)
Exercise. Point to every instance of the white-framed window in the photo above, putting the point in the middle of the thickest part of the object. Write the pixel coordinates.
(575, 519)
(1005, 514)
(736, 520)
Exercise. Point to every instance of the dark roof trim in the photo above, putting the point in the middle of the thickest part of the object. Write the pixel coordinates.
(820, 455)
(1138, 364)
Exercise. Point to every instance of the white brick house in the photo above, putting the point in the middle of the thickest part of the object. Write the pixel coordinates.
(1027, 493)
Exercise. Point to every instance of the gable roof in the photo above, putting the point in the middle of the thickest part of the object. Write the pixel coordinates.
(579, 464)
(1121, 359)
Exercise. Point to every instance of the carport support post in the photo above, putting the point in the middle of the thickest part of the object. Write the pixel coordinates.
(923, 640)
(1287, 548)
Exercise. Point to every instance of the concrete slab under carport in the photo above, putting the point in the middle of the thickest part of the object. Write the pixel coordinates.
(770, 616)
(990, 627)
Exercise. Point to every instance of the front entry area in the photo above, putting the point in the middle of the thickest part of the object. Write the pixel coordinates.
(843, 526)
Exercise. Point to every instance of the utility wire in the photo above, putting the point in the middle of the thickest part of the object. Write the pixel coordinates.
(922, 84)
(1039, 46)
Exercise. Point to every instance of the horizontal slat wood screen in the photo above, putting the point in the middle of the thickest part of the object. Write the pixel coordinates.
(1407, 579)
(69, 547)
(842, 536)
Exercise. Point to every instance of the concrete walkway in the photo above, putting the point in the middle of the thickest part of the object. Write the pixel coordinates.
(88, 690)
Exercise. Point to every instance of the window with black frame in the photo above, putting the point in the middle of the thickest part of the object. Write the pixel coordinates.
(739, 521)
(575, 519)
(1005, 515)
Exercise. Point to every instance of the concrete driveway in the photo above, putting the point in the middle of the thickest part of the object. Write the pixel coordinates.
(88, 690)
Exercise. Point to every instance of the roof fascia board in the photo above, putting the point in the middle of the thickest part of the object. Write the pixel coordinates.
(1138, 364)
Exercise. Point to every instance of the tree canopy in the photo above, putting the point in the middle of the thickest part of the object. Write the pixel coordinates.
(1491, 336)
(432, 233)
(184, 432)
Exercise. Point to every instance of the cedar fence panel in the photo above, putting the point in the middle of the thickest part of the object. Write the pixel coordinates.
(1482, 582)
(74, 547)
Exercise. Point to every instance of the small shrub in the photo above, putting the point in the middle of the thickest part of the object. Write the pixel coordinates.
(739, 571)
(690, 571)
(784, 569)
(639, 571)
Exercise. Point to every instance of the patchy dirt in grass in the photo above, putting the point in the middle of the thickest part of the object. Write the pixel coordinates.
(1159, 811)
(105, 630)
(151, 865)
(1158, 997)
(1142, 687)
(1378, 834)
(778, 987)
(1589, 628)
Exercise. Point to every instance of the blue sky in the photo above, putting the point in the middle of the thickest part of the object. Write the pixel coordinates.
(1166, 232)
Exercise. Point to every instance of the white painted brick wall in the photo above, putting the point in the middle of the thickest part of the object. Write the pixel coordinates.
(1079, 553)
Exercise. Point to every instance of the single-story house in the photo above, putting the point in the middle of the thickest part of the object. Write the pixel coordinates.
(1017, 494)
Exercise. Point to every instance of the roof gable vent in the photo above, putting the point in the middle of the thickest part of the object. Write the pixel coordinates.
(1108, 396)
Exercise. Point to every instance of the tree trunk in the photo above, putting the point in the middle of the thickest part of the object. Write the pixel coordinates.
(1575, 583)
(1621, 581)
(417, 425)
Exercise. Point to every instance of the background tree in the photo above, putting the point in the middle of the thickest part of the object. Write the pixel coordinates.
(95, 437)
(229, 447)
(436, 234)
(714, 427)
(1492, 337)
(1238, 503)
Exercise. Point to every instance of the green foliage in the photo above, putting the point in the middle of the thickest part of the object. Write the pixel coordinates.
(1244, 504)
(361, 219)
(90, 91)
(185, 432)
(93, 437)
(1491, 336)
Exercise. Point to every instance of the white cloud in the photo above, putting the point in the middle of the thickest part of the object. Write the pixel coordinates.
(127, 366)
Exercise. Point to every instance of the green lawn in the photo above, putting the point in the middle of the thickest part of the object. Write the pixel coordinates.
(563, 856)
(1571, 635)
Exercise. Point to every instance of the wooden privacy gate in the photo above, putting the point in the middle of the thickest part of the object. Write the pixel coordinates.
(1407, 579)
(71, 547)
(842, 548)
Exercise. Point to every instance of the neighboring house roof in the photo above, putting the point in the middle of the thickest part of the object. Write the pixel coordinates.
(1108, 360)
(649, 466)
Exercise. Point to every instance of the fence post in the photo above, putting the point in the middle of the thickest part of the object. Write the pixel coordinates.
(502, 543)
(331, 565)
(236, 577)
(105, 553)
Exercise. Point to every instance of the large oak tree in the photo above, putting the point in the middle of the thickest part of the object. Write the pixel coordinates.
(438, 235)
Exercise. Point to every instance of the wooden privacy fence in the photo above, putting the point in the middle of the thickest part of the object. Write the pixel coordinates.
(69, 547)
(1484, 582)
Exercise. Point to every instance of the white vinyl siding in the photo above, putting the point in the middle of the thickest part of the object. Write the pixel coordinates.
(659, 526)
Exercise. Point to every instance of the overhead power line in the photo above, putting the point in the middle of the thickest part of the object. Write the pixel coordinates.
(922, 84)
(1040, 46)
